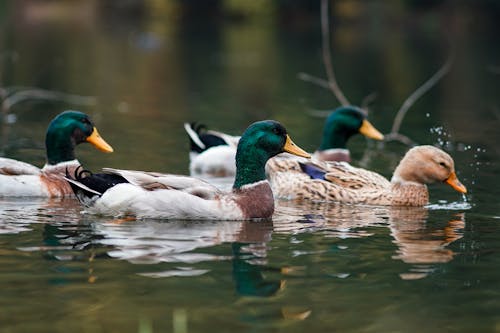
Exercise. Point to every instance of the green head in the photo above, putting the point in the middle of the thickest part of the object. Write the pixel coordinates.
(261, 141)
(343, 123)
(67, 130)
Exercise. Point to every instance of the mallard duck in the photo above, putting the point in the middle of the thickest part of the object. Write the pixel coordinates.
(65, 131)
(212, 153)
(341, 182)
(340, 125)
(141, 194)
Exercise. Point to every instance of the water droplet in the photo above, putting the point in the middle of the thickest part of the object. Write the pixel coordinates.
(10, 118)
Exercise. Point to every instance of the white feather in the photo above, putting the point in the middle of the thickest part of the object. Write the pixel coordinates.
(22, 186)
(194, 136)
(218, 160)
(141, 178)
(13, 167)
(231, 140)
(23, 179)
(124, 199)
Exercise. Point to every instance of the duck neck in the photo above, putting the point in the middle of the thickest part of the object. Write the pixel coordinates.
(409, 194)
(250, 166)
(334, 137)
(60, 147)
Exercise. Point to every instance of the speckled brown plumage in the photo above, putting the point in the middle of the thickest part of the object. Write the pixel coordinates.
(344, 183)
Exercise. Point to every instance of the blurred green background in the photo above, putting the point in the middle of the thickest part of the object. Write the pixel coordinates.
(151, 65)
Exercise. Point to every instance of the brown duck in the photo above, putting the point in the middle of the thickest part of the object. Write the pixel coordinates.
(341, 182)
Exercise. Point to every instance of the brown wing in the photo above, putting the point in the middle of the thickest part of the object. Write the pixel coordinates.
(349, 177)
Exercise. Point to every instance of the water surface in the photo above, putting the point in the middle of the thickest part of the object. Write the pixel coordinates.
(314, 267)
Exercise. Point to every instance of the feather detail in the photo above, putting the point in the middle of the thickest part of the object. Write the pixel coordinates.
(12, 167)
(174, 196)
(47, 182)
(341, 182)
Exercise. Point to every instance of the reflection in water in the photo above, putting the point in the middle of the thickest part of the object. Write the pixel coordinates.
(418, 243)
(421, 244)
(155, 241)
(67, 236)
(248, 271)
(18, 214)
(70, 243)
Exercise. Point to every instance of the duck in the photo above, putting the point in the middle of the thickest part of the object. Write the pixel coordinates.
(340, 126)
(141, 194)
(212, 152)
(65, 131)
(296, 179)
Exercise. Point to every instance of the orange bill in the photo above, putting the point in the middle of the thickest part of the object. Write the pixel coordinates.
(369, 131)
(292, 148)
(98, 142)
(455, 183)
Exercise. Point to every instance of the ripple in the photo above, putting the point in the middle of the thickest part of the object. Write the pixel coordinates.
(456, 205)
(179, 272)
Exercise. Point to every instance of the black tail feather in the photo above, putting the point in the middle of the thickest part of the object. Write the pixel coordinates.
(88, 186)
(208, 139)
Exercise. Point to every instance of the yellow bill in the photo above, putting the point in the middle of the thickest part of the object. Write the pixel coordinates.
(292, 148)
(98, 142)
(455, 183)
(369, 131)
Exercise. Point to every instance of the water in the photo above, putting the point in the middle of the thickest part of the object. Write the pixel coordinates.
(315, 267)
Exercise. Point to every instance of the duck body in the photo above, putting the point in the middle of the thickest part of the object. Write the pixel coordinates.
(26, 180)
(212, 153)
(156, 195)
(194, 201)
(66, 130)
(217, 161)
(340, 182)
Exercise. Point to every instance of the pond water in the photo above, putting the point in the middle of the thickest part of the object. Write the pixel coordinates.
(142, 69)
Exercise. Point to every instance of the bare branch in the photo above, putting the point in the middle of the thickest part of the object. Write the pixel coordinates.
(34, 93)
(314, 80)
(319, 113)
(420, 92)
(368, 100)
(399, 137)
(327, 57)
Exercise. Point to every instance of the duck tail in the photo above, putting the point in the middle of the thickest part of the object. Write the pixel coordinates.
(83, 193)
(88, 187)
(200, 139)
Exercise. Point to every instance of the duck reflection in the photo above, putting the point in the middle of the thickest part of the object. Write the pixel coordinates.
(248, 272)
(421, 244)
(418, 242)
(152, 242)
(175, 241)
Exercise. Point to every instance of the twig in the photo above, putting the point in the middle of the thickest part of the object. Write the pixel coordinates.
(327, 57)
(314, 79)
(34, 93)
(419, 92)
(368, 100)
(319, 113)
(399, 137)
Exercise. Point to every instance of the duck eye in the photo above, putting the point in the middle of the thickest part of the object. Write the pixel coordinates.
(276, 130)
(442, 164)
